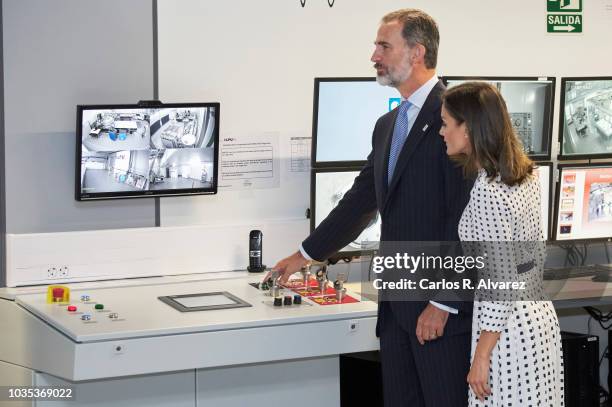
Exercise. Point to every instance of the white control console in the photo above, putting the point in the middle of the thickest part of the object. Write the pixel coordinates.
(124, 331)
(138, 330)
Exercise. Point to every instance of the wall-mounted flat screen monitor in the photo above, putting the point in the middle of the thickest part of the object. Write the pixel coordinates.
(583, 208)
(530, 102)
(128, 151)
(544, 173)
(344, 114)
(585, 128)
(328, 187)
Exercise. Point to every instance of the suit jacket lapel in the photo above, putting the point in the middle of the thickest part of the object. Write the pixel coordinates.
(421, 127)
(388, 135)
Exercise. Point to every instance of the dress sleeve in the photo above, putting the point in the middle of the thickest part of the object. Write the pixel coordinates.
(494, 218)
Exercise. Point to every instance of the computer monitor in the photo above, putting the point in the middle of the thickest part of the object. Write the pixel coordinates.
(585, 114)
(544, 173)
(583, 208)
(129, 151)
(328, 187)
(530, 104)
(344, 114)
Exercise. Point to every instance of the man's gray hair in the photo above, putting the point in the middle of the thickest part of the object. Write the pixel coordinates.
(418, 27)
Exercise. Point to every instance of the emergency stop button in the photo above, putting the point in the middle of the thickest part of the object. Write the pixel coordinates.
(58, 294)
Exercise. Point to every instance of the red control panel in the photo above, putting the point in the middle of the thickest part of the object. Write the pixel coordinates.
(314, 294)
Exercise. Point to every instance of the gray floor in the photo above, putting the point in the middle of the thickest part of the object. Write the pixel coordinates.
(103, 182)
(177, 183)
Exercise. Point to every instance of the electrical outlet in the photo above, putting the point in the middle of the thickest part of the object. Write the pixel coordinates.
(52, 272)
(63, 272)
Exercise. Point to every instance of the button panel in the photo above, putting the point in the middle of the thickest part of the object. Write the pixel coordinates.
(87, 310)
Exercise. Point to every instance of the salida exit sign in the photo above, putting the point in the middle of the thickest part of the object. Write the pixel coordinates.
(564, 16)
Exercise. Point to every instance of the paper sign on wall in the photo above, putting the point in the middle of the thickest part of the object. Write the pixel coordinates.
(249, 161)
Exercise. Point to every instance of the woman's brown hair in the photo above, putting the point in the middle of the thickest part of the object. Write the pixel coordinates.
(495, 145)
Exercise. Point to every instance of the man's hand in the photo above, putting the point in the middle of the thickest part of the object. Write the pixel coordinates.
(287, 266)
(431, 323)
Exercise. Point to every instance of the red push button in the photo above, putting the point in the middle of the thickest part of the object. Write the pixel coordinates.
(72, 308)
(58, 294)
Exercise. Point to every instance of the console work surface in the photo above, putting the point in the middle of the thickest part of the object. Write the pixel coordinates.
(136, 311)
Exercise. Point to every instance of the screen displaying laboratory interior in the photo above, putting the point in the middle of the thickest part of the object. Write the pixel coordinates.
(147, 149)
(530, 104)
(584, 203)
(586, 121)
(345, 112)
(329, 189)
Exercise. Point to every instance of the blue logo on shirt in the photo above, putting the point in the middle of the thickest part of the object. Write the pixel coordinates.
(394, 102)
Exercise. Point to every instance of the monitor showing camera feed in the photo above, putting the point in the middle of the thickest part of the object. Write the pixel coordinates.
(345, 112)
(584, 203)
(585, 129)
(544, 173)
(530, 105)
(329, 188)
(126, 151)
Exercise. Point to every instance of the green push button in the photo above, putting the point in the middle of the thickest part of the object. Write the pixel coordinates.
(99, 307)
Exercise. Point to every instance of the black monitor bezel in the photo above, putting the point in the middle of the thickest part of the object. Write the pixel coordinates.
(145, 194)
(315, 120)
(573, 157)
(551, 189)
(557, 202)
(550, 106)
(342, 254)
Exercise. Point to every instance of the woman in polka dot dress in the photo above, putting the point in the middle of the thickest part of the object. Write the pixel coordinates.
(516, 357)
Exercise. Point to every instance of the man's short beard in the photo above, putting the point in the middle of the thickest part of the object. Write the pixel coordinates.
(389, 80)
(383, 80)
(397, 78)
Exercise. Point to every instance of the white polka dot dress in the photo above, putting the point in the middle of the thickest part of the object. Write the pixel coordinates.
(527, 363)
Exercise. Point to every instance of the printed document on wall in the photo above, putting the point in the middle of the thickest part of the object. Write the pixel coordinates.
(249, 161)
(300, 154)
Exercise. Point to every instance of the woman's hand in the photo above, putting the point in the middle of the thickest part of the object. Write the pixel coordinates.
(478, 378)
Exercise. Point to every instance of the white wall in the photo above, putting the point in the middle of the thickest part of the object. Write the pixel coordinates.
(58, 54)
(140, 164)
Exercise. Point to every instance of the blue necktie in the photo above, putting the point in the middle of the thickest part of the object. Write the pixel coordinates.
(400, 134)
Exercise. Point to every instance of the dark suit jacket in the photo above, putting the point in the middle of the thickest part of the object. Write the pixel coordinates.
(423, 202)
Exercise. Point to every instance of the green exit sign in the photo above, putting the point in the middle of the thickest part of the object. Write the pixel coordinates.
(564, 16)
(563, 6)
(564, 23)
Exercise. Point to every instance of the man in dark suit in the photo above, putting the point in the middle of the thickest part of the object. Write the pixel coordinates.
(420, 194)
